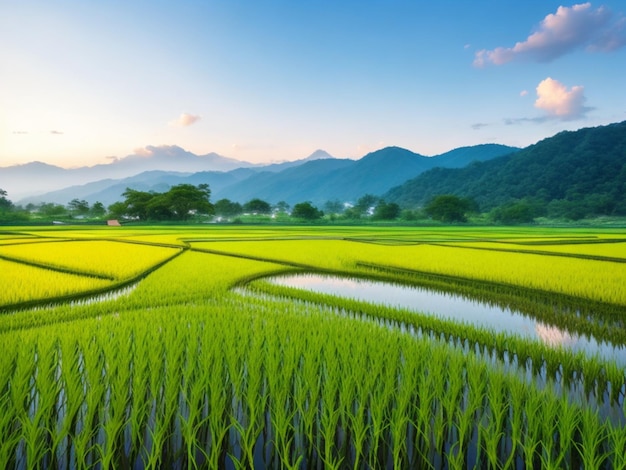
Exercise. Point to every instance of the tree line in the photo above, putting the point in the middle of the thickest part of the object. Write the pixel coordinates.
(186, 202)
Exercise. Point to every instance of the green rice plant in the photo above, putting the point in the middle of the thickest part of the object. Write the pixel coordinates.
(617, 443)
(568, 421)
(458, 421)
(8, 419)
(282, 362)
(307, 395)
(256, 392)
(439, 418)
(533, 428)
(141, 398)
(216, 404)
(118, 390)
(37, 422)
(593, 438)
(492, 435)
(190, 412)
(422, 413)
(329, 411)
(464, 420)
(165, 425)
(517, 399)
(549, 431)
(381, 402)
(22, 396)
(90, 419)
(73, 390)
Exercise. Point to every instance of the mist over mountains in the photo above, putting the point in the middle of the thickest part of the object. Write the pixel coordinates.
(317, 178)
(38, 178)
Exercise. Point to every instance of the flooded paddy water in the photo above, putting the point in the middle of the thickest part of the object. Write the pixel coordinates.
(453, 307)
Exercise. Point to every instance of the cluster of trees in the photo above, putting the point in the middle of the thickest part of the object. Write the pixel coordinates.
(180, 202)
(8, 211)
(367, 206)
(75, 208)
(5, 204)
(304, 210)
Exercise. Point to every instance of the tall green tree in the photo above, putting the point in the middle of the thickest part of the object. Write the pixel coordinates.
(449, 208)
(257, 206)
(334, 206)
(386, 210)
(50, 209)
(365, 203)
(281, 206)
(182, 199)
(117, 210)
(227, 208)
(5, 203)
(137, 203)
(78, 206)
(307, 211)
(97, 209)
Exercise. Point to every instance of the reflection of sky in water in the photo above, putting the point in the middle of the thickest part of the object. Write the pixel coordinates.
(454, 307)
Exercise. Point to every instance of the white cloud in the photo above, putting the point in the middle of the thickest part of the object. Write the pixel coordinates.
(570, 28)
(523, 92)
(559, 102)
(184, 120)
(143, 151)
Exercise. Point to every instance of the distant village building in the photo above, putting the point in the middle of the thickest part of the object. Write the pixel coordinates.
(113, 223)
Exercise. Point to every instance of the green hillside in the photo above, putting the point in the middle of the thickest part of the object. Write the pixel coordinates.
(572, 174)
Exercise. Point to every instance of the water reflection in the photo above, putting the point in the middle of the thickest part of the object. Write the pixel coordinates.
(111, 295)
(454, 307)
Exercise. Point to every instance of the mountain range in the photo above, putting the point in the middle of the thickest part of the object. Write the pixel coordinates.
(572, 174)
(38, 178)
(317, 178)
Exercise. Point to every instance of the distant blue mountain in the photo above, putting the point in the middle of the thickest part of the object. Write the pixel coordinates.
(317, 178)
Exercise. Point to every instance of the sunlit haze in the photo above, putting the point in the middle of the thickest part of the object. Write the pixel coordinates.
(82, 82)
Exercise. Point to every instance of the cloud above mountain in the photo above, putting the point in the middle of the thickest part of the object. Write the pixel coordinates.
(560, 102)
(577, 27)
(185, 120)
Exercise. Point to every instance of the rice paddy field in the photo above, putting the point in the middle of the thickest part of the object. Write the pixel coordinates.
(180, 347)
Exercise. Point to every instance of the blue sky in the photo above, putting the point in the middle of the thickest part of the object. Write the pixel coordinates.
(82, 82)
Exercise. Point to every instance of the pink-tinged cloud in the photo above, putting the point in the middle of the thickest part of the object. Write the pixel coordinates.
(143, 152)
(559, 102)
(184, 120)
(570, 28)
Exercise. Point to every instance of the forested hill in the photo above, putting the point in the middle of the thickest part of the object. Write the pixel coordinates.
(584, 169)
